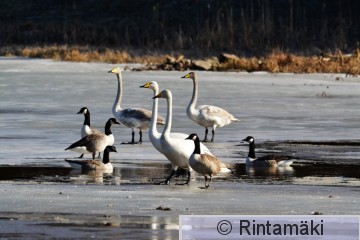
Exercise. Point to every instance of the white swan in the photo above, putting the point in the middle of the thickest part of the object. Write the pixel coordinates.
(177, 150)
(154, 135)
(207, 115)
(131, 117)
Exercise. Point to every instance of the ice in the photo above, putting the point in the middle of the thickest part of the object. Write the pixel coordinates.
(38, 105)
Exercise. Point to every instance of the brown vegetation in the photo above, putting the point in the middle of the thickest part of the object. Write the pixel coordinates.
(275, 62)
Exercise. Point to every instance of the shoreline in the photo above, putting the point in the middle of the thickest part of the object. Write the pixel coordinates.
(275, 62)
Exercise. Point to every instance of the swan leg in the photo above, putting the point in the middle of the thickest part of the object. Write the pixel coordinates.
(213, 135)
(93, 155)
(167, 180)
(188, 179)
(82, 155)
(140, 133)
(206, 133)
(132, 138)
(99, 155)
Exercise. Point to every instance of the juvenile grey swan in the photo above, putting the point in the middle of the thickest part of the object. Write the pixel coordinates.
(203, 163)
(104, 165)
(268, 160)
(95, 142)
(207, 115)
(85, 128)
(131, 117)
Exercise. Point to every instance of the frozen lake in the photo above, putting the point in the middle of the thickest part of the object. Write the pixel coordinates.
(315, 117)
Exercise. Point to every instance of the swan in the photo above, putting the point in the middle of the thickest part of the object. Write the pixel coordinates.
(207, 115)
(176, 150)
(131, 117)
(85, 128)
(105, 165)
(95, 142)
(154, 135)
(203, 163)
(268, 160)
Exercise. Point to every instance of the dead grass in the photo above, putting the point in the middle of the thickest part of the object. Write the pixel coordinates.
(275, 62)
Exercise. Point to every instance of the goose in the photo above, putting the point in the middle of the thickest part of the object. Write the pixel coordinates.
(131, 117)
(207, 115)
(105, 165)
(268, 160)
(95, 142)
(203, 163)
(86, 129)
(154, 135)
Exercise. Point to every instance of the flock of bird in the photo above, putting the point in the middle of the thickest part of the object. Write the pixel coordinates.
(184, 151)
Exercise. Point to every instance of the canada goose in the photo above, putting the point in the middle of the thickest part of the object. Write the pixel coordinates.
(94, 142)
(86, 129)
(207, 115)
(268, 160)
(154, 135)
(131, 117)
(105, 165)
(205, 164)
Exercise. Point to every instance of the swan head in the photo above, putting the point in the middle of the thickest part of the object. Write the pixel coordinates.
(249, 139)
(192, 136)
(164, 94)
(110, 149)
(189, 75)
(83, 110)
(115, 70)
(113, 121)
(152, 85)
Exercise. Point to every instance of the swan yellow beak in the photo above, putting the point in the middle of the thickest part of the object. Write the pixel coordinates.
(146, 85)
(187, 76)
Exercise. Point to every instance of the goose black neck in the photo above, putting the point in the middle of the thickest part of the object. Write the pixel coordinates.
(108, 128)
(87, 118)
(106, 158)
(197, 146)
(251, 150)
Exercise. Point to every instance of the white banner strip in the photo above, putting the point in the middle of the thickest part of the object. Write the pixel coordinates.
(322, 227)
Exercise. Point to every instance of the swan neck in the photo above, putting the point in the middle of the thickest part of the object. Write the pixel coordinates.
(116, 106)
(193, 99)
(251, 150)
(154, 115)
(168, 123)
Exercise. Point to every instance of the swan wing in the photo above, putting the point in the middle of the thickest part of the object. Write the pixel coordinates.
(213, 112)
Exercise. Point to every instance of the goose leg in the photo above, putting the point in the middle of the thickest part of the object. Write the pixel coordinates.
(206, 133)
(82, 155)
(167, 180)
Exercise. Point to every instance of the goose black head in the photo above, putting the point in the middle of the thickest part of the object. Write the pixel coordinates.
(192, 136)
(110, 149)
(249, 139)
(83, 110)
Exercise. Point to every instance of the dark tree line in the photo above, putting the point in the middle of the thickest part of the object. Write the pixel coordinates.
(194, 26)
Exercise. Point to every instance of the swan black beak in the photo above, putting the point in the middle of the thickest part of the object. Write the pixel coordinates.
(110, 71)
(157, 96)
(186, 76)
